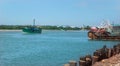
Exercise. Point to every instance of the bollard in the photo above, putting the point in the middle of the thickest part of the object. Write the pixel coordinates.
(109, 53)
(114, 50)
(104, 52)
(66, 64)
(88, 60)
(94, 59)
(117, 50)
(88, 56)
(98, 54)
(82, 63)
(119, 47)
(73, 63)
(82, 58)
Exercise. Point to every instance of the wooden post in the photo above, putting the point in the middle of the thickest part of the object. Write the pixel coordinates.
(88, 60)
(66, 64)
(98, 54)
(73, 63)
(82, 63)
(109, 53)
(114, 50)
(94, 59)
(82, 58)
(117, 50)
(119, 47)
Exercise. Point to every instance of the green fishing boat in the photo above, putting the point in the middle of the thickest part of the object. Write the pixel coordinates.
(32, 29)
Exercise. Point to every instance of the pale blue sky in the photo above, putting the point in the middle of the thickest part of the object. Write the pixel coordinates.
(59, 12)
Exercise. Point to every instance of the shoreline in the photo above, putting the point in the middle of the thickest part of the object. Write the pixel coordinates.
(101, 57)
(8, 30)
(43, 29)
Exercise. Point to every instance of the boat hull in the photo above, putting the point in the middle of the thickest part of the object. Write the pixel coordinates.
(93, 36)
(32, 30)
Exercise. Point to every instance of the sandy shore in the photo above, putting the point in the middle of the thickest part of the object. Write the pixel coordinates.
(10, 30)
(112, 61)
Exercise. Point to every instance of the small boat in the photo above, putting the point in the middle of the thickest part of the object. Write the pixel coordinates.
(32, 29)
(106, 32)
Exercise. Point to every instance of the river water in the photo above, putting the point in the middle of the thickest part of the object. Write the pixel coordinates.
(51, 48)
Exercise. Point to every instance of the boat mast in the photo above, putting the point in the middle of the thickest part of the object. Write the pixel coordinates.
(33, 22)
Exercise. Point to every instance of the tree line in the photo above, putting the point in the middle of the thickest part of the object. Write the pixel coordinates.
(46, 27)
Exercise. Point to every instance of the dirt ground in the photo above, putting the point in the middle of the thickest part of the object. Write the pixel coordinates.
(112, 61)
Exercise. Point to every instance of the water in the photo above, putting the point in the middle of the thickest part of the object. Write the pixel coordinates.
(51, 48)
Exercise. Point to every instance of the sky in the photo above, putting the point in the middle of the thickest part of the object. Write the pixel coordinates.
(59, 12)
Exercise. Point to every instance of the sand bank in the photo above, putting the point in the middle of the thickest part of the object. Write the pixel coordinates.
(10, 30)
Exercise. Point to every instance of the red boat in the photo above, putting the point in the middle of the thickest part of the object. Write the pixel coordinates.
(106, 32)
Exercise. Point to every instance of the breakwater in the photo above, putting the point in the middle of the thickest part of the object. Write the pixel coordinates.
(98, 55)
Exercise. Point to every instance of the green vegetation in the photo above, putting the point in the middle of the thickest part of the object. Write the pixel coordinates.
(12, 27)
(46, 27)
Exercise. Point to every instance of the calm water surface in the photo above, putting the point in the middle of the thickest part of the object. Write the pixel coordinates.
(51, 48)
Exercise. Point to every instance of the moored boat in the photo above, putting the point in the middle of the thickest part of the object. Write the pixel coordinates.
(106, 32)
(32, 29)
